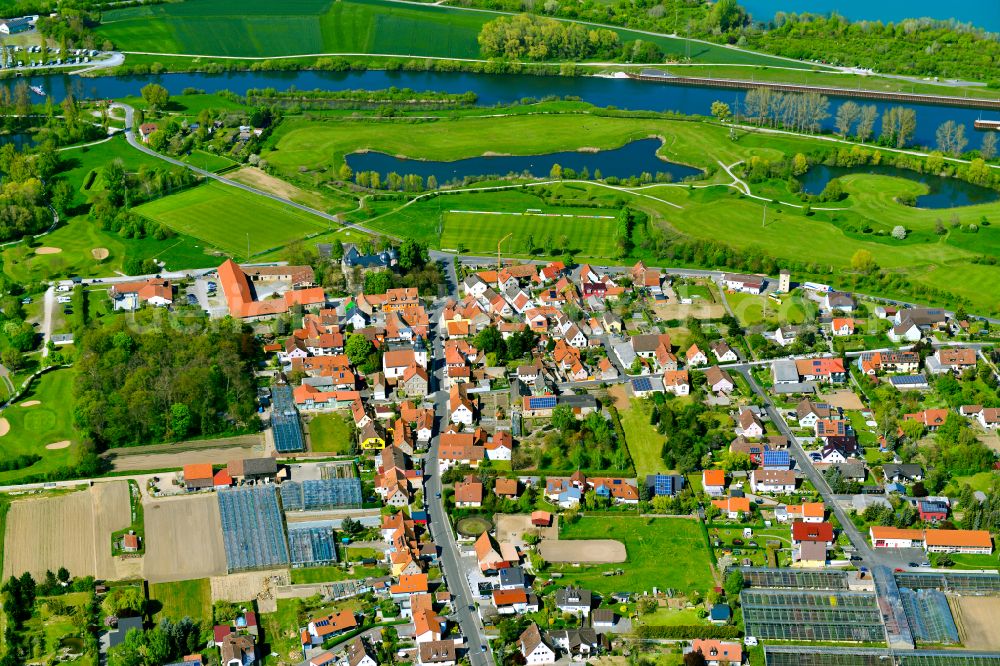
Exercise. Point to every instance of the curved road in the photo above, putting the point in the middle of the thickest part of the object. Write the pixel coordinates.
(139, 145)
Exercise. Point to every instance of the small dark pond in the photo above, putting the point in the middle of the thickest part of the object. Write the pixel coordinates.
(632, 159)
(943, 192)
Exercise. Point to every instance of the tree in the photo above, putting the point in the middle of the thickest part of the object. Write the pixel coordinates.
(733, 584)
(899, 232)
(345, 172)
(378, 282)
(950, 137)
(63, 575)
(847, 114)
(12, 359)
(490, 341)
(555, 173)
(358, 349)
(726, 15)
(155, 96)
(721, 110)
(563, 418)
(736, 460)
(863, 262)
(988, 149)
(123, 601)
(180, 420)
(412, 254)
(866, 121)
(799, 164)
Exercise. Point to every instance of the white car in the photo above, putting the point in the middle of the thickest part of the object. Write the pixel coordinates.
(750, 641)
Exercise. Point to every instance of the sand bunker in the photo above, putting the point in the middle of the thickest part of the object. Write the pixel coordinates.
(58, 445)
(4, 427)
(100, 253)
(31, 403)
(48, 250)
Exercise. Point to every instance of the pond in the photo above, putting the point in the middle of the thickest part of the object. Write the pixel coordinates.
(73, 644)
(943, 192)
(632, 159)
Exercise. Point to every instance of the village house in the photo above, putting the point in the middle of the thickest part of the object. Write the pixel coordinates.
(732, 507)
(772, 481)
(518, 601)
(241, 296)
(323, 628)
(749, 425)
(130, 295)
(747, 284)
(574, 600)
(438, 653)
(953, 359)
(973, 542)
(824, 370)
(717, 653)
(932, 419)
(713, 482)
(809, 412)
(873, 363)
(820, 532)
(460, 408)
(842, 326)
(723, 352)
(836, 301)
(695, 357)
(469, 492)
(533, 649)
(718, 381)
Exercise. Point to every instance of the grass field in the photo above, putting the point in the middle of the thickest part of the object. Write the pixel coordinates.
(79, 235)
(662, 552)
(260, 28)
(644, 443)
(76, 164)
(223, 216)
(479, 233)
(33, 428)
(186, 598)
(330, 433)
(303, 575)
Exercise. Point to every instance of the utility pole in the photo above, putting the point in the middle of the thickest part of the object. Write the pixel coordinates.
(763, 220)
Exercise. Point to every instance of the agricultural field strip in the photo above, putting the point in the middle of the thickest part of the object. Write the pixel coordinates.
(532, 214)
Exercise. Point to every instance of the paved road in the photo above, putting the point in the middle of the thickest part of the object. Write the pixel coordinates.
(871, 557)
(451, 564)
(47, 308)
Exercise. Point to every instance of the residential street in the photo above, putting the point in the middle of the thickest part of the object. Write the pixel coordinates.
(441, 532)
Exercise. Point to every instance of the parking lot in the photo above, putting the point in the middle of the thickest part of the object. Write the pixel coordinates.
(209, 296)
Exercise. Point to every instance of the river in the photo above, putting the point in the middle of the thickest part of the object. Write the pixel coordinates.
(491, 89)
(983, 14)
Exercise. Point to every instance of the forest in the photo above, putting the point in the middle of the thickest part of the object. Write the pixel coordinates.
(141, 387)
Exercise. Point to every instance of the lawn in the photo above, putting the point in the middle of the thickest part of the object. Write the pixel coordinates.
(301, 575)
(644, 443)
(186, 598)
(229, 218)
(260, 28)
(208, 161)
(34, 428)
(752, 310)
(330, 433)
(479, 233)
(76, 164)
(662, 553)
(969, 561)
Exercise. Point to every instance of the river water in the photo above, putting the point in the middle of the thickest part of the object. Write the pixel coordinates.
(983, 14)
(491, 89)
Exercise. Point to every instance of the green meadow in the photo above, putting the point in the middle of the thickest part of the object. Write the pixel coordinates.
(229, 218)
(255, 28)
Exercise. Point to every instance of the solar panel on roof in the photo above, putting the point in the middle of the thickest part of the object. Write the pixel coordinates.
(542, 402)
(776, 458)
(664, 484)
(642, 384)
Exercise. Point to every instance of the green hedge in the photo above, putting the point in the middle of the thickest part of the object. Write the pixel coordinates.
(683, 631)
